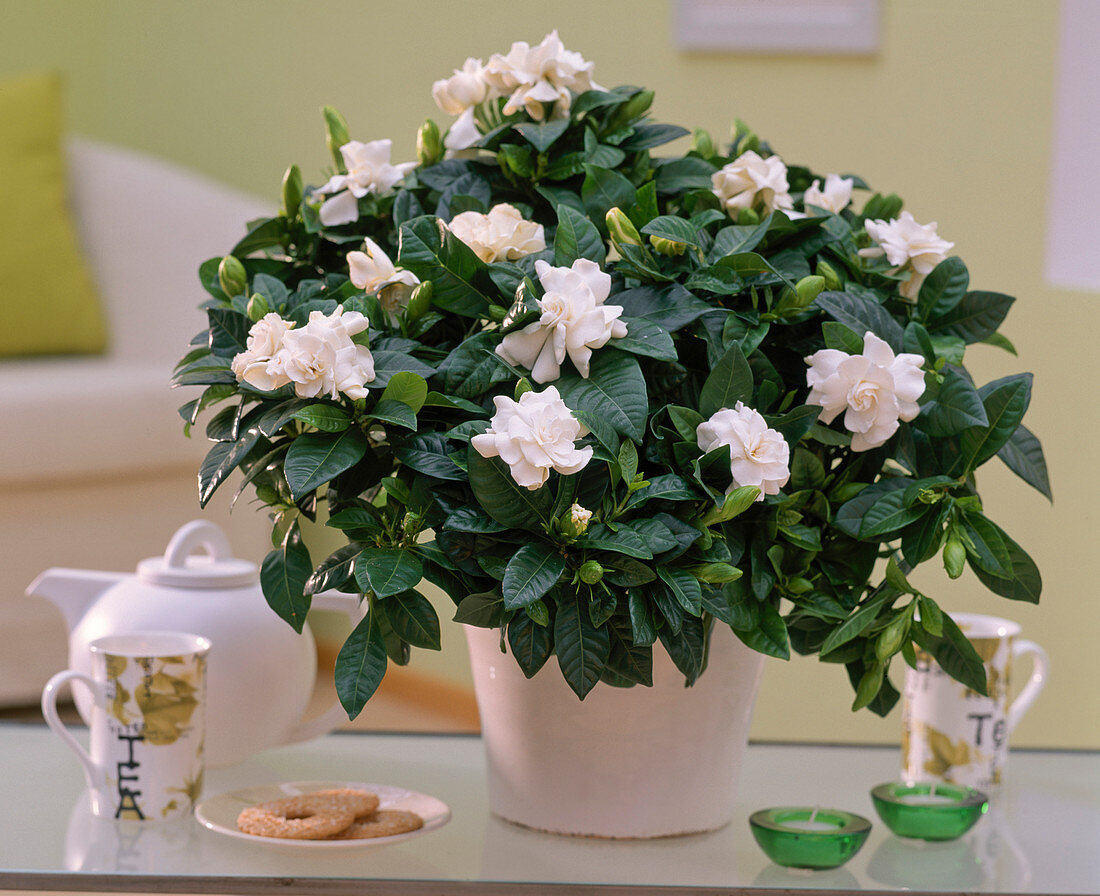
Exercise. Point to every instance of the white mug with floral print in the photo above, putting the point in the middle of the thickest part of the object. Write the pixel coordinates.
(145, 758)
(951, 732)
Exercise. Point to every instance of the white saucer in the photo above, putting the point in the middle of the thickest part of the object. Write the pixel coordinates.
(219, 813)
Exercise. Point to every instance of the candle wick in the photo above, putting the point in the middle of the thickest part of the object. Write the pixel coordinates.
(813, 814)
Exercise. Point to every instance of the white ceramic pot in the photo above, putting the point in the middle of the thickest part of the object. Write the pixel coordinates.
(625, 762)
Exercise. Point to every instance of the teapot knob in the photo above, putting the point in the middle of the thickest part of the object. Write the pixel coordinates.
(193, 535)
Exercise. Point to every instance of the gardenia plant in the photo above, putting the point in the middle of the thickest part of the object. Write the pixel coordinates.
(606, 399)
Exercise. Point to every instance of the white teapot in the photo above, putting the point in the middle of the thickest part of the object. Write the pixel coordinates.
(260, 672)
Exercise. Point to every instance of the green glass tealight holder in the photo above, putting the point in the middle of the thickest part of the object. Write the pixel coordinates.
(929, 810)
(808, 837)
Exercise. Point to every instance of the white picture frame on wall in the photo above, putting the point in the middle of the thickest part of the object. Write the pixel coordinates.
(778, 26)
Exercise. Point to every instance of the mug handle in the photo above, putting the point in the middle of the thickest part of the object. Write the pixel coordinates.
(50, 694)
(1039, 669)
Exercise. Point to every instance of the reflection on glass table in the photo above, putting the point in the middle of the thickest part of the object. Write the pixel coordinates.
(1039, 836)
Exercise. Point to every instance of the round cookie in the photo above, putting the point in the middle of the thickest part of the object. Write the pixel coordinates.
(308, 816)
(383, 823)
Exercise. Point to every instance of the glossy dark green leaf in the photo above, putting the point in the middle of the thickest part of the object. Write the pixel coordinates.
(396, 413)
(430, 453)
(684, 587)
(387, 571)
(987, 549)
(666, 487)
(542, 135)
(428, 249)
(335, 571)
(1023, 455)
(360, 665)
(581, 647)
(687, 648)
(576, 237)
(729, 382)
(645, 338)
(954, 654)
(956, 407)
(1005, 401)
(604, 189)
(943, 289)
(672, 227)
(1026, 583)
(857, 623)
(315, 459)
(531, 644)
(531, 572)
(669, 307)
(413, 618)
(622, 540)
(509, 503)
(283, 577)
(628, 663)
(221, 460)
(861, 314)
(769, 636)
(642, 630)
(888, 514)
(324, 417)
(389, 363)
(484, 609)
(975, 318)
(614, 389)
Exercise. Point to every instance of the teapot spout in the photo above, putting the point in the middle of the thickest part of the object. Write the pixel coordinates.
(73, 591)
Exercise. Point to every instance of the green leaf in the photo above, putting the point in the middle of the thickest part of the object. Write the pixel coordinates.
(628, 461)
(576, 237)
(509, 503)
(957, 406)
(729, 382)
(687, 648)
(842, 338)
(626, 572)
(388, 363)
(931, 616)
(622, 540)
(428, 249)
(542, 135)
(1026, 584)
(317, 458)
(472, 519)
(1023, 455)
(954, 654)
(221, 460)
(856, 624)
(987, 549)
(472, 367)
(770, 634)
(628, 662)
(324, 417)
(334, 571)
(669, 307)
(975, 318)
(360, 665)
(1005, 401)
(749, 264)
(430, 453)
(849, 517)
(615, 389)
(737, 238)
(684, 587)
(387, 571)
(604, 189)
(667, 487)
(888, 514)
(672, 227)
(581, 647)
(396, 412)
(409, 388)
(283, 577)
(533, 570)
(642, 630)
(643, 337)
(860, 315)
(485, 610)
(532, 645)
(943, 289)
(413, 618)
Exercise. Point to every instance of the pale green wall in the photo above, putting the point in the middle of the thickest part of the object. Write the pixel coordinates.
(954, 113)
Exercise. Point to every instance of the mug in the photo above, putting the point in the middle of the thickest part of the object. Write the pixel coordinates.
(145, 756)
(951, 732)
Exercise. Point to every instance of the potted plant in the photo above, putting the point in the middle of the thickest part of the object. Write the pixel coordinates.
(610, 401)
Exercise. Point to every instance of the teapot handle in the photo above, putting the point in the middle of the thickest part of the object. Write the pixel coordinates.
(193, 535)
(335, 715)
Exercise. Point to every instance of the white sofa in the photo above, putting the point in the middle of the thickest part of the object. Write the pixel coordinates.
(94, 469)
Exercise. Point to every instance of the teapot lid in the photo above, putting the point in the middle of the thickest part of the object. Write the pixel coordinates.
(181, 568)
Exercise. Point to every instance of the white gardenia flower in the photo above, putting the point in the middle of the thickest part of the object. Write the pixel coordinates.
(464, 89)
(574, 321)
(580, 517)
(501, 235)
(321, 358)
(372, 271)
(759, 455)
(368, 171)
(875, 389)
(463, 133)
(834, 198)
(534, 436)
(750, 180)
(265, 338)
(907, 244)
(531, 76)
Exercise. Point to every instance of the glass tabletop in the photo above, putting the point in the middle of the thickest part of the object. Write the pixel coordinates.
(1041, 834)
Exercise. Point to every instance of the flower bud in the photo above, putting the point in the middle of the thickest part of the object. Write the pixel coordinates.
(747, 217)
(523, 386)
(429, 145)
(574, 523)
(630, 111)
(257, 307)
(666, 246)
(622, 229)
(808, 289)
(420, 300)
(702, 143)
(954, 556)
(828, 272)
(497, 313)
(591, 572)
(744, 138)
(336, 135)
(292, 191)
(232, 277)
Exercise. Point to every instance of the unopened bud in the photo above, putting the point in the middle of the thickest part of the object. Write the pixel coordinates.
(574, 522)
(257, 307)
(622, 229)
(808, 289)
(744, 138)
(630, 111)
(336, 135)
(591, 572)
(420, 300)
(523, 386)
(702, 143)
(832, 278)
(497, 313)
(429, 145)
(667, 246)
(954, 557)
(232, 277)
(292, 191)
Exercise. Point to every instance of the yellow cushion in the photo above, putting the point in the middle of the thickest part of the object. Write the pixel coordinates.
(48, 300)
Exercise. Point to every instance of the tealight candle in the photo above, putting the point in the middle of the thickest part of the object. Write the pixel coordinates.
(930, 810)
(804, 837)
